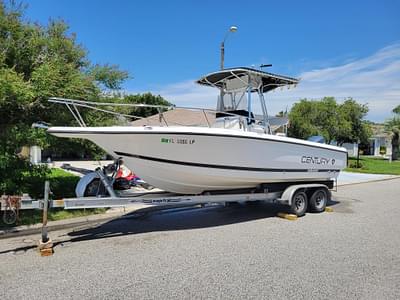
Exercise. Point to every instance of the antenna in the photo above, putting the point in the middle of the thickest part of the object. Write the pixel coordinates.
(265, 66)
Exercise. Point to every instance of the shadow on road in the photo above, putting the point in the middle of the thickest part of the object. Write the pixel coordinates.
(176, 219)
(333, 202)
(181, 219)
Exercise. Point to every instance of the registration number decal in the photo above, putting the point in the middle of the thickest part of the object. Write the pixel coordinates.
(180, 141)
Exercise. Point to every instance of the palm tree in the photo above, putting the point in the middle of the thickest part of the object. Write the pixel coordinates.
(393, 126)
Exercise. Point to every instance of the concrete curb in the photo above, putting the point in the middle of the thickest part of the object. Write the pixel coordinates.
(26, 230)
(57, 225)
(72, 222)
(369, 181)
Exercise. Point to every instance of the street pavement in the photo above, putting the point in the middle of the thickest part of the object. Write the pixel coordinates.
(235, 252)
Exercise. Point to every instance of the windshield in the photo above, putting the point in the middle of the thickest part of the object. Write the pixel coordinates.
(232, 101)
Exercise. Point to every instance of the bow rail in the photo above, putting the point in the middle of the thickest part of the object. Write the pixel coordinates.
(74, 104)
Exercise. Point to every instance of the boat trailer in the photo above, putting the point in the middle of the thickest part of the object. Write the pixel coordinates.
(300, 197)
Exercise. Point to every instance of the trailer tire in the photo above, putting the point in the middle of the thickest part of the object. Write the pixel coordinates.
(318, 200)
(299, 203)
(95, 188)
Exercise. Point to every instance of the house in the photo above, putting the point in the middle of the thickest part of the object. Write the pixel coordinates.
(380, 143)
(351, 148)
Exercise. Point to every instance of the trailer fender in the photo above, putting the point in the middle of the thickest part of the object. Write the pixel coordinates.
(83, 182)
(288, 193)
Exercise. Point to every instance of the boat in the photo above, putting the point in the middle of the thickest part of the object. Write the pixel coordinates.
(238, 150)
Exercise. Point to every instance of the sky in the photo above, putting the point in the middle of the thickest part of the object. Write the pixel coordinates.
(337, 48)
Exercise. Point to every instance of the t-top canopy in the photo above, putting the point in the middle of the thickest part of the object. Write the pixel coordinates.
(259, 80)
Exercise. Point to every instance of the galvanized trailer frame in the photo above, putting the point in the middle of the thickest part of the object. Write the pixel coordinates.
(165, 199)
(295, 195)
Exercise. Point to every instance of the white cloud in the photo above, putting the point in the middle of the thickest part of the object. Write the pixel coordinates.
(188, 93)
(374, 80)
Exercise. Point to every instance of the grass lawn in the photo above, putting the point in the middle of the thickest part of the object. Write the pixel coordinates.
(62, 185)
(29, 217)
(374, 165)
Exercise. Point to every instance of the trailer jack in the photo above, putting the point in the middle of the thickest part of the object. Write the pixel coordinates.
(45, 245)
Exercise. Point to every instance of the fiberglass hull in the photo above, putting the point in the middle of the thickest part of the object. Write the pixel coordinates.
(191, 160)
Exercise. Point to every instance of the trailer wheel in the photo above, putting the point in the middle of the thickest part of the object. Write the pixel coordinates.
(95, 188)
(299, 203)
(318, 200)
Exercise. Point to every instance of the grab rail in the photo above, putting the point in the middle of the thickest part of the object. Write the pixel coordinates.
(73, 104)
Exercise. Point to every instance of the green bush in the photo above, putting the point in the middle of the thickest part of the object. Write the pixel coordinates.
(31, 181)
(18, 176)
(62, 184)
(353, 165)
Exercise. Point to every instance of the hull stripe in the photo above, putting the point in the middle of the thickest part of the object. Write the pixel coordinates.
(240, 168)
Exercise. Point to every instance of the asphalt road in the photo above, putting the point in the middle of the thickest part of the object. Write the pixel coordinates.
(231, 253)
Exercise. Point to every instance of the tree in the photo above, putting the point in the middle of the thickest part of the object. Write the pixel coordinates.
(393, 126)
(146, 98)
(38, 62)
(357, 129)
(335, 122)
(396, 110)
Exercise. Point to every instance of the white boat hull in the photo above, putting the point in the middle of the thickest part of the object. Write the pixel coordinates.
(191, 160)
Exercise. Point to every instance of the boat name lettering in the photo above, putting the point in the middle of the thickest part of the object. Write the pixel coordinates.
(317, 160)
(181, 141)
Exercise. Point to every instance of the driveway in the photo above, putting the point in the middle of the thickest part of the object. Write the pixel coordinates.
(80, 167)
(351, 178)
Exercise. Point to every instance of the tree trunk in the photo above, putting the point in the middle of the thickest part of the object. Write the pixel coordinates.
(395, 152)
(395, 146)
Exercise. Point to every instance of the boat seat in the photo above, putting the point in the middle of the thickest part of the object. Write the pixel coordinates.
(228, 122)
(240, 112)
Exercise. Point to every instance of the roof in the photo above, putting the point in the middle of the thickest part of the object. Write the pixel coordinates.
(269, 81)
(178, 116)
(196, 118)
(378, 130)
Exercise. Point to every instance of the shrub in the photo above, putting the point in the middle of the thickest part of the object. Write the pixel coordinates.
(353, 165)
(18, 176)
